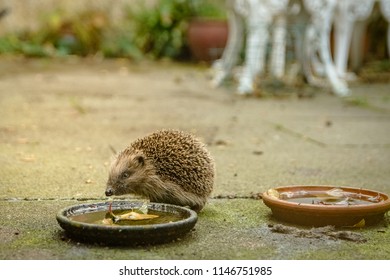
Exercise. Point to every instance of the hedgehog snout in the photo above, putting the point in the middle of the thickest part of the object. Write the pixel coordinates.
(109, 191)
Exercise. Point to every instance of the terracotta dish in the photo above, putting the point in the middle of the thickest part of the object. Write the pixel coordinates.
(327, 205)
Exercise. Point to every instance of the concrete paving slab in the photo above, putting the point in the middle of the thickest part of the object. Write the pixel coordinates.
(60, 121)
(227, 229)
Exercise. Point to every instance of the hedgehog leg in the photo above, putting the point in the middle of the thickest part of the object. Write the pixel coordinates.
(176, 195)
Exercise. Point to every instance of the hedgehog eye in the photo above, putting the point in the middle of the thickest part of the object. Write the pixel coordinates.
(125, 175)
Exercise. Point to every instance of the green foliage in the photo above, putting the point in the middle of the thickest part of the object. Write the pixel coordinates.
(83, 34)
(18, 44)
(209, 9)
(161, 31)
(158, 31)
(119, 43)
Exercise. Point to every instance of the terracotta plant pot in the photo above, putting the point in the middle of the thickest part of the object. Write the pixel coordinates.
(207, 38)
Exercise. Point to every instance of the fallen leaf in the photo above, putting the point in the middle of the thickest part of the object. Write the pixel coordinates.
(130, 216)
(336, 192)
(134, 216)
(360, 224)
(273, 193)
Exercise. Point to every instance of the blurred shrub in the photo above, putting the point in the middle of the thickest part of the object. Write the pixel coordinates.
(157, 31)
(83, 34)
(119, 43)
(160, 31)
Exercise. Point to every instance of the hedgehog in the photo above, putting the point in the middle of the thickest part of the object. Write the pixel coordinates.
(167, 166)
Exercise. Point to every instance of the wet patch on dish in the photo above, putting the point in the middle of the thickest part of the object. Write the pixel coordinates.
(127, 217)
(334, 196)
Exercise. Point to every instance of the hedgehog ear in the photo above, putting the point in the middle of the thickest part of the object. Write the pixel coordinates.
(140, 160)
